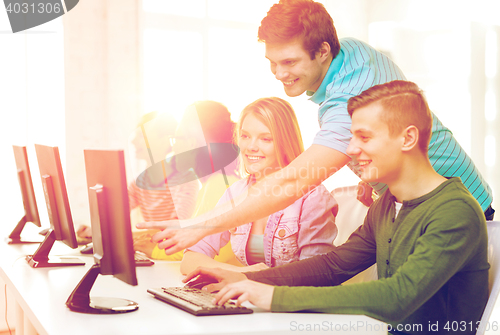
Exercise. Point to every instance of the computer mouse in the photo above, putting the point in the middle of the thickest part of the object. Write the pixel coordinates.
(200, 282)
(88, 249)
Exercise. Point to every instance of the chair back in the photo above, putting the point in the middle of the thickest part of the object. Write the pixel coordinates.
(351, 212)
(350, 216)
(494, 273)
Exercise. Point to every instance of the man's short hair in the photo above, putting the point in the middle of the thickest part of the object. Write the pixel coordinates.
(300, 19)
(403, 104)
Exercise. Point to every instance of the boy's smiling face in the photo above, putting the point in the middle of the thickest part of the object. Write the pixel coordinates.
(376, 150)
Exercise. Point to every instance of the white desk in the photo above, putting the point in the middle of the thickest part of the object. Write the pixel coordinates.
(41, 294)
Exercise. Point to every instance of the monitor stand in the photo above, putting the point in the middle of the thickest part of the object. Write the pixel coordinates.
(15, 235)
(41, 259)
(80, 301)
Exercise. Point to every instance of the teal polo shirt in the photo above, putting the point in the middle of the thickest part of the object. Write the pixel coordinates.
(358, 67)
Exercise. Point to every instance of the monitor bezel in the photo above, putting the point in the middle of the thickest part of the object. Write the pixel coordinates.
(56, 199)
(28, 197)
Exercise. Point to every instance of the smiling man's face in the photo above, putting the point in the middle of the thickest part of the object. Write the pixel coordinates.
(293, 66)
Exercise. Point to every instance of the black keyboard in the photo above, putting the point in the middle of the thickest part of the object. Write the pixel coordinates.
(142, 260)
(195, 301)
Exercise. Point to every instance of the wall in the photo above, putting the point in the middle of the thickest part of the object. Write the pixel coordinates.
(102, 81)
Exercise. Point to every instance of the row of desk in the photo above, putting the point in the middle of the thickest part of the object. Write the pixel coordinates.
(40, 295)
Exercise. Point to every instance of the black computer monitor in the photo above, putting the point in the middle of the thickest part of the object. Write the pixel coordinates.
(56, 198)
(28, 195)
(111, 232)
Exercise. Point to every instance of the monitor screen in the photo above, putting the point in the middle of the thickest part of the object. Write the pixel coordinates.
(28, 196)
(56, 198)
(111, 232)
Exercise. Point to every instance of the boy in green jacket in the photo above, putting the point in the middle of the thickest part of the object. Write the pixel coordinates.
(427, 235)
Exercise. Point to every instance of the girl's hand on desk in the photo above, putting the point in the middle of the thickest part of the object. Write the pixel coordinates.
(364, 193)
(254, 267)
(260, 295)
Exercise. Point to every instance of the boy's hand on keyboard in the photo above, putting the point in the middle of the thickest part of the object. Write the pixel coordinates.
(142, 241)
(258, 294)
(223, 277)
(84, 231)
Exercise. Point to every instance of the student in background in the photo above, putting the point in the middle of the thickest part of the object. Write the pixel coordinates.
(202, 123)
(426, 233)
(151, 191)
(269, 138)
(160, 191)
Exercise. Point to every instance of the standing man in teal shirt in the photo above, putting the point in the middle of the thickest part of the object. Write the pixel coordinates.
(426, 234)
(356, 68)
(306, 55)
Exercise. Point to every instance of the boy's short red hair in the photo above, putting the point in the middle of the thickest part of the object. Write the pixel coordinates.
(306, 20)
(404, 104)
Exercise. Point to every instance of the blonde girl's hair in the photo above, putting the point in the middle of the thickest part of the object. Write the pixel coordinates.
(278, 115)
